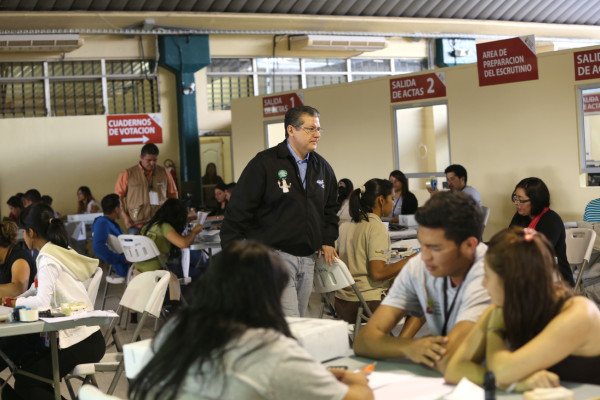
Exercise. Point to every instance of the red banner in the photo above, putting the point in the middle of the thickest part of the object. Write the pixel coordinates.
(587, 64)
(280, 104)
(506, 61)
(134, 129)
(418, 87)
(591, 103)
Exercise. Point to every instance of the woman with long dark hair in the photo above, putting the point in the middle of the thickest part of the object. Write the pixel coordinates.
(86, 203)
(532, 202)
(61, 276)
(345, 188)
(535, 331)
(17, 267)
(233, 341)
(364, 246)
(165, 228)
(405, 202)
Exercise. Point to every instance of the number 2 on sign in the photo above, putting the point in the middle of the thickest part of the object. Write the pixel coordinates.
(430, 81)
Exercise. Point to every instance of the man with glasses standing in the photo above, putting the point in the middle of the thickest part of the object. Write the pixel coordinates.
(286, 198)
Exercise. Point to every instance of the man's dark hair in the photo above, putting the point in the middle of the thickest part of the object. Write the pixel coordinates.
(454, 212)
(33, 195)
(294, 116)
(538, 193)
(46, 199)
(109, 203)
(149, 148)
(458, 170)
(15, 202)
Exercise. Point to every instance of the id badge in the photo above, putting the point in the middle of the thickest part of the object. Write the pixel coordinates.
(153, 198)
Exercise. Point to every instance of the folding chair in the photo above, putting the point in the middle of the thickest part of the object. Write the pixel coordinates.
(328, 279)
(580, 243)
(144, 294)
(93, 284)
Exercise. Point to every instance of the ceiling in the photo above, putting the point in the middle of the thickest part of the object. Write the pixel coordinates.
(578, 12)
(551, 20)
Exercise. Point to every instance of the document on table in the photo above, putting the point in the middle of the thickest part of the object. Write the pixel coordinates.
(96, 313)
(391, 386)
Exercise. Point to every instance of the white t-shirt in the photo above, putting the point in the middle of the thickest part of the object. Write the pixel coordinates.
(420, 294)
(264, 364)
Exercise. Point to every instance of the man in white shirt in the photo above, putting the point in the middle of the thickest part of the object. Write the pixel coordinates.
(442, 284)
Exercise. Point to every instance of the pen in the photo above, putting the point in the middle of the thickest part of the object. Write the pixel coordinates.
(370, 367)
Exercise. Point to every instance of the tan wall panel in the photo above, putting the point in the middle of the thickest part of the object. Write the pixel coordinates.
(57, 155)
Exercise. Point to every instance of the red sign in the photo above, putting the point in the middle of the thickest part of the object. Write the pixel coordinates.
(591, 103)
(418, 87)
(587, 64)
(134, 129)
(280, 104)
(506, 61)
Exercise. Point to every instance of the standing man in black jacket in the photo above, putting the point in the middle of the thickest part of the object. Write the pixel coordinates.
(286, 198)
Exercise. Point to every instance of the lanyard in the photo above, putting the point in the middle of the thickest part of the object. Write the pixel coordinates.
(447, 311)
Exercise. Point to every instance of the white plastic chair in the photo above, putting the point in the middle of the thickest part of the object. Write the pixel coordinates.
(93, 284)
(580, 243)
(138, 248)
(328, 279)
(144, 294)
(90, 392)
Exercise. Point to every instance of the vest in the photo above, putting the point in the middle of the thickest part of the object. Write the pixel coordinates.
(138, 198)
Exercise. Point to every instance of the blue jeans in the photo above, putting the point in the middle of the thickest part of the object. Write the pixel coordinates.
(294, 299)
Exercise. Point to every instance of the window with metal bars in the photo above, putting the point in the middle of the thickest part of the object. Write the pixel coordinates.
(232, 78)
(83, 87)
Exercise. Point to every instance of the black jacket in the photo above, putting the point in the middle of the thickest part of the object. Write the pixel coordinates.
(552, 226)
(298, 222)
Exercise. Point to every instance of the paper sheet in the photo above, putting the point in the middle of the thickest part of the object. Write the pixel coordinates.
(386, 387)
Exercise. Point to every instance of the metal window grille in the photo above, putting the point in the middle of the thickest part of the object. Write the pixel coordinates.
(77, 87)
(231, 78)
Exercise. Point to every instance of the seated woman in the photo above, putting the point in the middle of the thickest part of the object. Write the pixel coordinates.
(164, 229)
(345, 188)
(364, 246)
(86, 204)
(61, 273)
(17, 268)
(405, 202)
(237, 342)
(532, 201)
(535, 331)
(15, 206)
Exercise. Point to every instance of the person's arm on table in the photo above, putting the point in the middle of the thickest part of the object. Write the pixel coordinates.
(358, 384)
(554, 343)
(374, 340)
(183, 241)
(47, 276)
(379, 270)
(20, 279)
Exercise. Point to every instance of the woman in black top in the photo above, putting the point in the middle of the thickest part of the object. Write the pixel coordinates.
(405, 202)
(532, 201)
(17, 268)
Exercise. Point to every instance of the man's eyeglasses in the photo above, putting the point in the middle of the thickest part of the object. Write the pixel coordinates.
(520, 201)
(312, 130)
